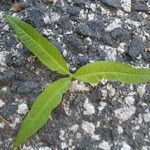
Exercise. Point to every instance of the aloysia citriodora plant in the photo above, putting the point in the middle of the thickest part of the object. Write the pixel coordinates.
(51, 97)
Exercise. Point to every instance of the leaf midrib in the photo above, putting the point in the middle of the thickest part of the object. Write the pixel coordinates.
(63, 88)
(43, 108)
(98, 73)
(40, 47)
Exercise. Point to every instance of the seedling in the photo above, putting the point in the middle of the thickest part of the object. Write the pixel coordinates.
(51, 97)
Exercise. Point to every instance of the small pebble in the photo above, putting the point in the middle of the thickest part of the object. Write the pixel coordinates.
(16, 6)
(22, 109)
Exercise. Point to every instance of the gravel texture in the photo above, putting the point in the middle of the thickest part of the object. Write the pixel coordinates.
(108, 116)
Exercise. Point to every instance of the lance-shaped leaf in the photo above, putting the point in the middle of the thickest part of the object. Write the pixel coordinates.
(38, 45)
(113, 71)
(41, 109)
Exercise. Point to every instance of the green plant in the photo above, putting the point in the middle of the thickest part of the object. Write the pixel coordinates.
(52, 95)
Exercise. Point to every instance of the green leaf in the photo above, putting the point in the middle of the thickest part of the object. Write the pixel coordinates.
(41, 109)
(38, 45)
(113, 71)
